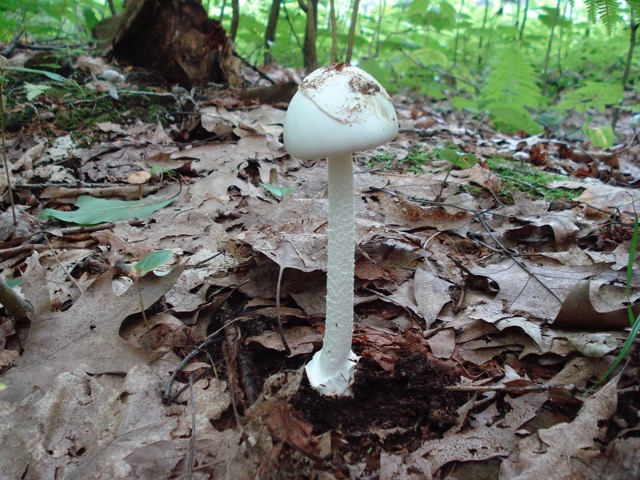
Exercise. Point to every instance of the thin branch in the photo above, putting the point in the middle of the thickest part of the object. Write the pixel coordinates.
(516, 261)
(67, 274)
(14, 305)
(442, 72)
(287, 350)
(510, 389)
(192, 440)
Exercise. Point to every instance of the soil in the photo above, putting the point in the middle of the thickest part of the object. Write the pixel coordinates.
(399, 410)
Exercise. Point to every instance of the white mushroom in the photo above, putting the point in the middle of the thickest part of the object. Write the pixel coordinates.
(114, 78)
(338, 110)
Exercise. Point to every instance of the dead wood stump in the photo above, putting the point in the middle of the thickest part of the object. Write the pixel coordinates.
(178, 40)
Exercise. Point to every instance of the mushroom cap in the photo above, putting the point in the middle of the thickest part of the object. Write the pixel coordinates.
(337, 110)
(138, 178)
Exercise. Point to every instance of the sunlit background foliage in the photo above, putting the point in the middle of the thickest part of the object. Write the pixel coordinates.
(526, 64)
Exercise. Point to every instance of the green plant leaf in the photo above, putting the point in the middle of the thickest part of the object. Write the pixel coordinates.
(510, 118)
(459, 159)
(278, 191)
(13, 282)
(92, 211)
(601, 137)
(463, 103)
(151, 262)
(53, 76)
(596, 95)
(512, 81)
(90, 19)
(157, 169)
(34, 90)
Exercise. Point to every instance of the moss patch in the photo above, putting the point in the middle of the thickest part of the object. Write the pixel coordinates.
(527, 179)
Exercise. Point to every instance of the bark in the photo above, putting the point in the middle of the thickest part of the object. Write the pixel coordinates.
(309, 53)
(112, 8)
(235, 18)
(334, 31)
(270, 33)
(352, 30)
(178, 40)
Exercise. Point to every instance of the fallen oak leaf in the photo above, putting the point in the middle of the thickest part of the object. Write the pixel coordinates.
(287, 425)
(86, 336)
(577, 310)
(565, 450)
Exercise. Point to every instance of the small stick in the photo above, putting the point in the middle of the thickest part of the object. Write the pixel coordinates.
(508, 389)
(192, 440)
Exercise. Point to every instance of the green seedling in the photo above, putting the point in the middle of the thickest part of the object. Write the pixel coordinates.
(277, 191)
(147, 265)
(457, 160)
(601, 137)
(634, 322)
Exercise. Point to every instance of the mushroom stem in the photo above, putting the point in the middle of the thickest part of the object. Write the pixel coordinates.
(331, 370)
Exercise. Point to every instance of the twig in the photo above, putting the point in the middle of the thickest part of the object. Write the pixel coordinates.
(287, 350)
(509, 389)
(192, 440)
(24, 248)
(231, 383)
(167, 398)
(55, 255)
(442, 72)
(504, 250)
(4, 154)
(522, 182)
(206, 260)
(515, 260)
(14, 305)
(13, 45)
(262, 75)
(635, 388)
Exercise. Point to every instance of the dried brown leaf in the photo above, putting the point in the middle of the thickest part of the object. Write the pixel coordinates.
(85, 337)
(287, 425)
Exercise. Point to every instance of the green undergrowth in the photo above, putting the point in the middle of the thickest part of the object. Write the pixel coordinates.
(514, 177)
(415, 161)
(524, 178)
(75, 109)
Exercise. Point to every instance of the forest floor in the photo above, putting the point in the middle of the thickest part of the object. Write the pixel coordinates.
(489, 298)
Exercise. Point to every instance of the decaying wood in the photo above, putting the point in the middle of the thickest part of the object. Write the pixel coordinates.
(178, 40)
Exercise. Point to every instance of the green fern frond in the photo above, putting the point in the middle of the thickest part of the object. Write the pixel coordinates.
(510, 91)
(512, 81)
(592, 9)
(608, 14)
(604, 10)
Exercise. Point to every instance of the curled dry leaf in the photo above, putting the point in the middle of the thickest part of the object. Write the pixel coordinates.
(86, 336)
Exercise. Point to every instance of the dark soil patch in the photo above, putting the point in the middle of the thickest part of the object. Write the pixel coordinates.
(396, 410)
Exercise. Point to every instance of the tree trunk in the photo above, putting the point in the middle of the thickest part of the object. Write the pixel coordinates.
(270, 33)
(334, 31)
(112, 8)
(178, 40)
(524, 19)
(309, 53)
(235, 18)
(352, 30)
